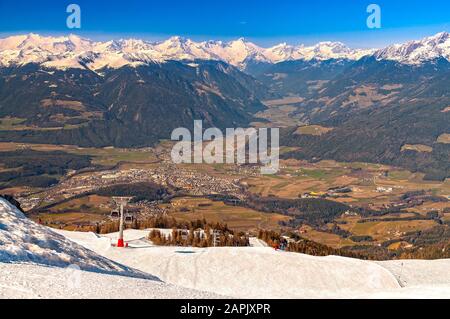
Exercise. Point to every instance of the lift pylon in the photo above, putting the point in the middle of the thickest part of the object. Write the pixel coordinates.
(121, 202)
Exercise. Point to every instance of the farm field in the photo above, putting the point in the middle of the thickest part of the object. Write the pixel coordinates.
(75, 213)
(381, 230)
(107, 156)
(331, 240)
(371, 183)
(237, 218)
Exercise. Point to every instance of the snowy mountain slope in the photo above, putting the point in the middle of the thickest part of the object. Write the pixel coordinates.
(419, 51)
(258, 272)
(75, 52)
(19, 281)
(419, 272)
(23, 241)
(34, 260)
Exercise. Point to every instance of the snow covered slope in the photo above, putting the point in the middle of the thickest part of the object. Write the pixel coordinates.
(419, 272)
(417, 52)
(23, 241)
(37, 262)
(37, 281)
(258, 272)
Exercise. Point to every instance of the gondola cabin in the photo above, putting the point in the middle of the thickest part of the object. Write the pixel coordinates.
(115, 214)
(129, 218)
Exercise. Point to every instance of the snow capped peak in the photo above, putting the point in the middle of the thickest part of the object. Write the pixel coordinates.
(332, 50)
(281, 52)
(330, 44)
(281, 46)
(130, 45)
(177, 39)
(11, 43)
(176, 42)
(212, 43)
(240, 41)
(243, 45)
(332, 47)
(439, 37)
(418, 51)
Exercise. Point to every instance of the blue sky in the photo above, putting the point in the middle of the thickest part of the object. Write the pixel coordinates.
(264, 22)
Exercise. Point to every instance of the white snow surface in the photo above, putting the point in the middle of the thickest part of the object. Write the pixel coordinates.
(37, 281)
(261, 272)
(37, 262)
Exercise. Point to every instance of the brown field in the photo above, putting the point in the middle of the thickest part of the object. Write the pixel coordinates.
(14, 190)
(417, 148)
(284, 101)
(237, 218)
(279, 116)
(398, 245)
(92, 204)
(444, 139)
(430, 206)
(402, 215)
(386, 230)
(87, 210)
(101, 156)
(16, 124)
(73, 105)
(281, 113)
(69, 218)
(328, 239)
(315, 130)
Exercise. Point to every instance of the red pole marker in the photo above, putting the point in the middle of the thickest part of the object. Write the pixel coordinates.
(120, 242)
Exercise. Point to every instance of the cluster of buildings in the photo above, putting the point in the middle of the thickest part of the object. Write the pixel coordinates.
(192, 182)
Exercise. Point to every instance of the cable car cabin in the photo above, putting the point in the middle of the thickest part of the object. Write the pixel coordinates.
(129, 218)
(115, 214)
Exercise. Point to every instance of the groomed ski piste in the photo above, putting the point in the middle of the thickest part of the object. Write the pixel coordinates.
(39, 262)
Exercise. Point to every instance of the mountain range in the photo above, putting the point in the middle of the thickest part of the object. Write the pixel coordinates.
(387, 105)
(75, 52)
